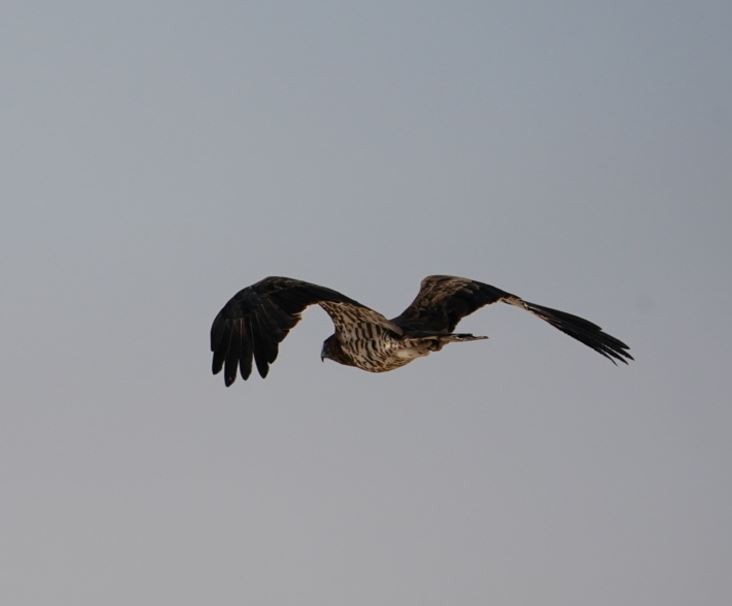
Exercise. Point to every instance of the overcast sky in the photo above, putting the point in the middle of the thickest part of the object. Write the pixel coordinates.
(159, 156)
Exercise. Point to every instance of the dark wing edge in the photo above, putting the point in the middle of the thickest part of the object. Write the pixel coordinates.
(578, 328)
(443, 301)
(257, 318)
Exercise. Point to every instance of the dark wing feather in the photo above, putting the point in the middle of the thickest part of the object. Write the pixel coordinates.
(247, 351)
(444, 300)
(583, 330)
(256, 319)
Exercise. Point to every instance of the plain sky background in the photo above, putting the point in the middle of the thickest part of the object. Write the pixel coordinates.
(159, 156)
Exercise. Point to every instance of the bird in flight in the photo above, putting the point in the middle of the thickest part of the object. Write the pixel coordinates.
(256, 319)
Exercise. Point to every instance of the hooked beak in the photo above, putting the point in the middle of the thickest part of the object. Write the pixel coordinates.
(322, 355)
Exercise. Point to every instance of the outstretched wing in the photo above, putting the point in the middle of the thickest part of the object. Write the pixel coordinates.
(444, 300)
(258, 318)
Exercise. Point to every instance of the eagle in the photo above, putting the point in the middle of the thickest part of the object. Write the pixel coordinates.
(255, 320)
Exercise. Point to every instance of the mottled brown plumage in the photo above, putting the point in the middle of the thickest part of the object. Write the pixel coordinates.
(253, 323)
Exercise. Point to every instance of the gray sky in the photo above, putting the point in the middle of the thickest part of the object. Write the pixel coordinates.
(159, 156)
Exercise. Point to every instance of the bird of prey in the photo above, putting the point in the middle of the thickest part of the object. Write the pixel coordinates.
(258, 318)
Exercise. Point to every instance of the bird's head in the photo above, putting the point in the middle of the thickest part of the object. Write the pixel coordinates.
(328, 348)
(332, 351)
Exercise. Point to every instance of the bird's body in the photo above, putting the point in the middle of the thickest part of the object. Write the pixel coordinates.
(381, 351)
(377, 346)
(253, 323)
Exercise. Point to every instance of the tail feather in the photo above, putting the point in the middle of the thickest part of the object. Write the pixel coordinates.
(436, 342)
(462, 336)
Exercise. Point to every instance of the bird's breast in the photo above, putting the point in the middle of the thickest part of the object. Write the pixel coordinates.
(381, 353)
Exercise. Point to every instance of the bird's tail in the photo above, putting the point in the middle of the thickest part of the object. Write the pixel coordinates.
(461, 336)
(427, 342)
(440, 341)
